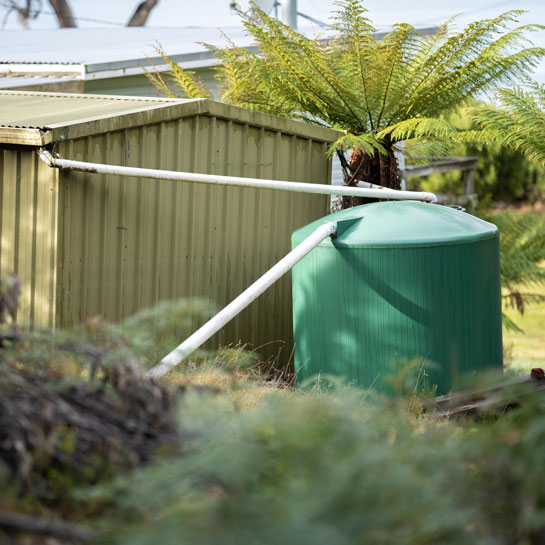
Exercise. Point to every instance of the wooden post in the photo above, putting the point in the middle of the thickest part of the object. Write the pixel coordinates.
(469, 182)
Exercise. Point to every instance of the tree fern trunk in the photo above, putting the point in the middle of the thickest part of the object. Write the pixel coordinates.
(376, 169)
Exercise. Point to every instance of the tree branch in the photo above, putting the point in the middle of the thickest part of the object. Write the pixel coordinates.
(22, 13)
(51, 527)
(141, 14)
(64, 13)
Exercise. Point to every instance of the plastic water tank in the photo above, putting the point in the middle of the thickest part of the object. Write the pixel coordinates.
(405, 281)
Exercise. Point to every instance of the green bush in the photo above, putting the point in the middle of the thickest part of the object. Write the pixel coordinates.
(336, 469)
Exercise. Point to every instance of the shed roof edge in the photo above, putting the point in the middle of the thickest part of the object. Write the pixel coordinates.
(283, 124)
(161, 111)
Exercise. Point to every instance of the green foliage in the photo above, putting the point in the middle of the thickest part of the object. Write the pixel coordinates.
(365, 86)
(328, 469)
(506, 175)
(75, 408)
(502, 173)
(155, 331)
(519, 122)
(378, 92)
(522, 248)
(184, 80)
(393, 88)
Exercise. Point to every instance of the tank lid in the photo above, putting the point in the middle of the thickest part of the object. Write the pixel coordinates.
(401, 224)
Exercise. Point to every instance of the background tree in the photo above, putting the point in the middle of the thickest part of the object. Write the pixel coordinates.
(141, 14)
(64, 13)
(31, 9)
(378, 92)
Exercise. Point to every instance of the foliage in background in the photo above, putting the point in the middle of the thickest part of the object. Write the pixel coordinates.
(522, 249)
(508, 139)
(519, 121)
(502, 173)
(379, 92)
(506, 175)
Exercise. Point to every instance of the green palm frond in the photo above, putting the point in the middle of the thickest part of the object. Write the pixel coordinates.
(363, 84)
(520, 121)
(185, 80)
(509, 324)
(420, 128)
(366, 143)
(158, 81)
(522, 247)
(420, 151)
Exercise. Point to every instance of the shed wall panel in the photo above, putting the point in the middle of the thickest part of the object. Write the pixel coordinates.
(128, 243)
(28, 231)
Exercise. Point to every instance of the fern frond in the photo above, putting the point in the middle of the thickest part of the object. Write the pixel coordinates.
(520, 123)
(420, 151)
(522, 244)
(509, 324)
(185, 80)
(361, 142)
(420, 128)
(466, 64)
(158, 81)
(522, 248)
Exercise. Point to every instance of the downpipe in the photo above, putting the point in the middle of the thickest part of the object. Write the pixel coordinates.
(238, 304)
(153, 174)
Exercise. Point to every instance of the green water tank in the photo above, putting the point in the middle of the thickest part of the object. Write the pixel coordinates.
(403, 281)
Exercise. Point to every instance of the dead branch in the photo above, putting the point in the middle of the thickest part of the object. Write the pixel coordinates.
(494, 399)
(141, 14)
(86, 428)
(50, 527)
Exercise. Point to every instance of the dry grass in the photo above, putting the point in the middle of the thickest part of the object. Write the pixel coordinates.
(245, 387)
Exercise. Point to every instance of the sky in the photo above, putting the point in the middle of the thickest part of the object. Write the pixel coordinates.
(216, 13)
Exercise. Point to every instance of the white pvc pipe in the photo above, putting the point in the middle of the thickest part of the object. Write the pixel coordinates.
(98, 168)
(242, 301)
(373, 186)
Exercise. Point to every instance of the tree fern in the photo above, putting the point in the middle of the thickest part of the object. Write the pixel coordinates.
(378, 92)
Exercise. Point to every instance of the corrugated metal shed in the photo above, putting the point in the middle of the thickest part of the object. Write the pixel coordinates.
(85, 244)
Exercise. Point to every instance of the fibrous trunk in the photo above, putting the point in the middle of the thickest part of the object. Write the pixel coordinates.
(376, 169)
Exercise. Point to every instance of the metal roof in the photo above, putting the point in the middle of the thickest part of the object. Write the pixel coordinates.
(106, 49)
(27, 80)
(37, 119)
(106, 52)
(48, 111)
